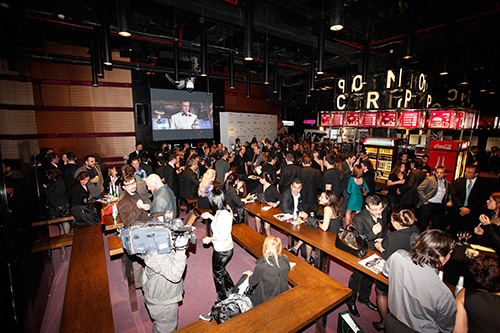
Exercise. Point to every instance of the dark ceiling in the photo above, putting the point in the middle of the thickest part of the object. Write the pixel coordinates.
(292, 28)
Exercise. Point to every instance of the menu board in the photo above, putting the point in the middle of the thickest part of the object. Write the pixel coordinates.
(370, 119)
(409, 119)
(325, 119)
(352, 119)
(338, 119)
(460, 120)
(442, 119)
(388, 119)
(469, 120)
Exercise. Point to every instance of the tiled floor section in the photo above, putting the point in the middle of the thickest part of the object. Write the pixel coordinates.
(198, 285)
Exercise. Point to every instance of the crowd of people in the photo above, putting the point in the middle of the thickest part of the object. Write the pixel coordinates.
(304, 179)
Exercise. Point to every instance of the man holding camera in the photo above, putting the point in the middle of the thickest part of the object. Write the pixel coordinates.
(163, 286)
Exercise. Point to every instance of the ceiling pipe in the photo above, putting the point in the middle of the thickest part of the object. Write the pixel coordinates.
(248, 29)
(275, 77)
(176, 61)
(321, 46)
(266, 63)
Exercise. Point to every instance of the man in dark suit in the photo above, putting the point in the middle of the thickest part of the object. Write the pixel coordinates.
(292, 203)
(268, 167)
(408, 192)
(188, 187)
(69, 173)
(433, 194)
(331, 177)
(221, 167)
(288, 173)
(371, 224)
(170, 174)
(468, 196)
(311, 178)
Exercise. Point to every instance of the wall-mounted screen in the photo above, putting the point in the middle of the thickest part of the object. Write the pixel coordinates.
(180, 115)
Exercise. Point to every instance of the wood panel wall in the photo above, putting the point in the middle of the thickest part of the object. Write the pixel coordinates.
(54, 105)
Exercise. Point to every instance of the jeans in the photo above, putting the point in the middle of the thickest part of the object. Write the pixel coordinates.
(222, 280)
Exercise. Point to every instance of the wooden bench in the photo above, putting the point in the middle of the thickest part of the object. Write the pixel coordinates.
(313, 295)
(53, 221)
(51, 243)
(87, 301)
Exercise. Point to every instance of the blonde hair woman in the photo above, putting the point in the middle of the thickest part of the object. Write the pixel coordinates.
(206, 183)
(270, 277)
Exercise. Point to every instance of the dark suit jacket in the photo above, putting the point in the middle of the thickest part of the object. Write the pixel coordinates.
(271, 170)
(363, 224)
(127, 208)
(477, 196)
(286, 203)
(171, 178)
(69, 177)
(345, 176)
(288, 174)
(188, 188)
(409, 189)
(311, 182)
(332, 177)
(79, 195)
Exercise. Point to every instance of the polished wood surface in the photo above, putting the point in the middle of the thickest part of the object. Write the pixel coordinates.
(87, 303)
(51, 243)
(115, 245)
(313, 294)
(53, 221)
(112, 224)
(324, 241)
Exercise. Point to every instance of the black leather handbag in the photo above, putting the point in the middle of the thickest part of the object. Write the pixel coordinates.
(348, 241)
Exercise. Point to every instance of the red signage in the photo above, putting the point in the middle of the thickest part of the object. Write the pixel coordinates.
(370, 119)
(460, 120)
(338, 119)
(409, 119)
(325, 119)
(309, 122)
(444, 144)
(388, 119)
(442, 119)
(469, 120)
(352, 119)
(464, 145)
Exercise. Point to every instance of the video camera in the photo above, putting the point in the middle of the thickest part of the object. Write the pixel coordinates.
(140, 237)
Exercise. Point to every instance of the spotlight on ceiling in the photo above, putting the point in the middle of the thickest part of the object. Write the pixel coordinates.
(122, 8)
(337, 16)
(444, 73)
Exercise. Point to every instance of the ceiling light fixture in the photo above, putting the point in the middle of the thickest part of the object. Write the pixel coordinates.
(321, 40)
(337, 15)
(248, 29)
(107, 61)
(231, 70)
(122, 9)
(410, 30)
(266, 63)
(203, 46)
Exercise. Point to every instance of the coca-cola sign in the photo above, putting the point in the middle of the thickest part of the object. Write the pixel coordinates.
(444, 144)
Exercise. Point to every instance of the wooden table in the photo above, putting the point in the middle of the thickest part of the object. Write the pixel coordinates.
(312, 296)
(324, 242)
(87, 301)
(112, 224)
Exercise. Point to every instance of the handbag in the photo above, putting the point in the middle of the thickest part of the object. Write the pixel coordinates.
(229, 308)
(348, 241)
(312, 222)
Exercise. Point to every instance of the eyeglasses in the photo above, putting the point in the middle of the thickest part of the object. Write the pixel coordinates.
(130, 183)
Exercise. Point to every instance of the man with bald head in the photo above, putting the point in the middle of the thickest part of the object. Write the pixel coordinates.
(163, 197)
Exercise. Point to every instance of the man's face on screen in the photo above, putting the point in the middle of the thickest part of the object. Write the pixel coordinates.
(185, 107)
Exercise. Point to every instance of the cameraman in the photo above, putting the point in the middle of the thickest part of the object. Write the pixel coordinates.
(162, 285)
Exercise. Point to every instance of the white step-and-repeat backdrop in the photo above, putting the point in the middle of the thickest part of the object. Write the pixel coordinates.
(246, 126)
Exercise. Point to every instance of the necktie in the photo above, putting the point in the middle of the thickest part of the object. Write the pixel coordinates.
(467, 192)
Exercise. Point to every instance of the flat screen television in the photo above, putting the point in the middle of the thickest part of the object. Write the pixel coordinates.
(181, 115)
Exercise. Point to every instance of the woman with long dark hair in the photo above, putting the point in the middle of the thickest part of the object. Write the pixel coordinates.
(330, 211)
(271, 196)
(396, 179)
(490, 228)
(222, 242)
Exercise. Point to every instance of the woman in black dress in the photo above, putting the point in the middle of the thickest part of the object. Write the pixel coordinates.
(330, 212)
(232, 184)
(271, 197)
(369, 175)
(396, 179)
(80, 194)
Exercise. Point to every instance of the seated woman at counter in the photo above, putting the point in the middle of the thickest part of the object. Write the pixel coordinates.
(206, 186)
(232, 184)
(270, 277)
(271, 197)
(478, 309)
(489, 230)
(331, 212)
